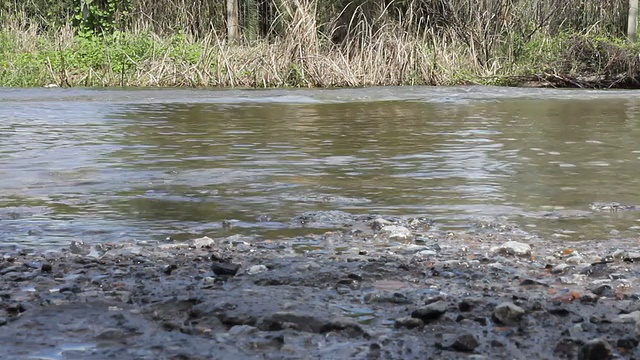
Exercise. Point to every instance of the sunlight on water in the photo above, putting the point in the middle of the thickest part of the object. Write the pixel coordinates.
(107, 165)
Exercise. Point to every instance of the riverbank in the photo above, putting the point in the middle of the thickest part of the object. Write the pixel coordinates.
(32, 58)
(376, 287)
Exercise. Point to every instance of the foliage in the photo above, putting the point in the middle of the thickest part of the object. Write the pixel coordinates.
(94, 17)
(309, 43)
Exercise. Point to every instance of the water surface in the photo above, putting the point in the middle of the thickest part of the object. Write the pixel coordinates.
(110, 165)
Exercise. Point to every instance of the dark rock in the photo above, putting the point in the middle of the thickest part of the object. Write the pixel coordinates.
(596, 270)
(596, 349)
(481, 320)
(467, 304)
(617, 276)
(530, 282)
(604, 290)
(79, 248)
(10, 269)
(628, 343)
(111, 334)
(408, 322)
(348, 328)
(589, 298)
(465, 343)
(508, 313)
(565, 348)
(559, 311)
(430, 312)
(386, 297)
(225, 269)
(167, 269)
(46, 268)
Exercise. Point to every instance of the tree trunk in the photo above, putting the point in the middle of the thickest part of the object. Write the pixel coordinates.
(632, 22)
(232, 19)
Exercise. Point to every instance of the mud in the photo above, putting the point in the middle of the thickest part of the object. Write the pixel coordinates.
(373, 288)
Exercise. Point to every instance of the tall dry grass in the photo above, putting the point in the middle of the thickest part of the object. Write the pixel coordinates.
(435, 42)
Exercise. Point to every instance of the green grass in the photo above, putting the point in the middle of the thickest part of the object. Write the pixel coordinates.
(29, 58)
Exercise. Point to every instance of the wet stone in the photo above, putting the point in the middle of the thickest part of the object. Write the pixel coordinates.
(465, 343)
(604, 290)
(256, 269)
(386, 297)
(111, 334)
(430, 312)
(628, 343)
(46, 268)
(396, 232)
(168, 269)
(468, 304)
(408, 322)
(565, 348)
(513, 248)
(508, 313)
(225, 269)
(79, 248)
(203, 242)
(596, 349)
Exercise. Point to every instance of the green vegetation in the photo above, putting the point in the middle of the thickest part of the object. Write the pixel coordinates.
(313, 43)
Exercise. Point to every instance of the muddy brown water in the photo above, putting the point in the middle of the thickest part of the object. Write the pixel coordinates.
(112, 165)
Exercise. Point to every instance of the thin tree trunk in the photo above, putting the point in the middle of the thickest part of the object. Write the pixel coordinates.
(232, 19)
(632, 22)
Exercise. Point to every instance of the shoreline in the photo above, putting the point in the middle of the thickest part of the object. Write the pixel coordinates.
(378, 287)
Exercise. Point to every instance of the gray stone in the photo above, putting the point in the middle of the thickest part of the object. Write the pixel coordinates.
(386, 297)
(513, 248)
(111, 334)
(225, 269)
(508, 313)
(380, 223)
(560, 268)
(430, 312)
(79, 248)
(465, 343)
(604, 290)
(629, 318)
(203, 242)
(256, 269)
(408, 322)
(596, 349)
(575, 259)
(397, 232)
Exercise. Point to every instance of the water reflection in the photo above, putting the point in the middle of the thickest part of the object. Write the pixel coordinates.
(115, 169)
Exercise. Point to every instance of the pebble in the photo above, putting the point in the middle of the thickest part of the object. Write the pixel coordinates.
(596, 349)
(203, 242)
(380, 223)
(465, 343)
(604, 290)
(46, 268)
(513, 248)
(397, 232)
(560, 268)
(575, 259)
(225, 269)
(508, 313)
(256, 269)
(409, 323)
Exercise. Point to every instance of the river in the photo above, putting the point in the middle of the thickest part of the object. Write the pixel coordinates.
(111, 165)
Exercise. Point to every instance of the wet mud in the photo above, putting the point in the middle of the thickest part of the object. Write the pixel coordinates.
(374, 287)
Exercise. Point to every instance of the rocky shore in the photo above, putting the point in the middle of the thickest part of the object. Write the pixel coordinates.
(375, 287)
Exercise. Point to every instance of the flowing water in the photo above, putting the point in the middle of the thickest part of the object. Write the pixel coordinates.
(110, 165)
